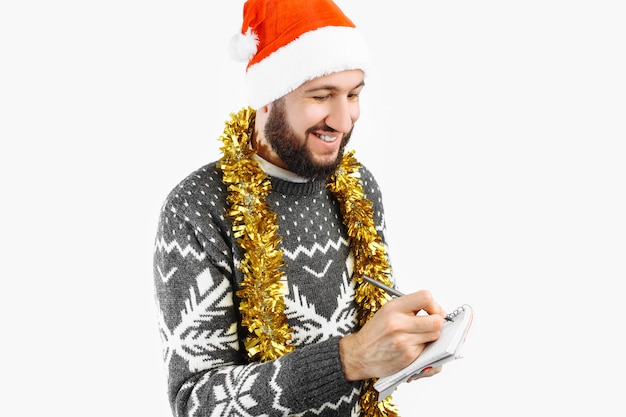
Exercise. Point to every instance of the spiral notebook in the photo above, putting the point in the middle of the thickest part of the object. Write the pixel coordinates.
(443, 350)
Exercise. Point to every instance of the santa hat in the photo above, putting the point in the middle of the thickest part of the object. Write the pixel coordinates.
(289, 42)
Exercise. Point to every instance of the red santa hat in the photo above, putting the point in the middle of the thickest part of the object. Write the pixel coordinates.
(289, 42)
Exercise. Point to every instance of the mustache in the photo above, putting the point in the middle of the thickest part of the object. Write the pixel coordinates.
(321, 126)
(325, 128)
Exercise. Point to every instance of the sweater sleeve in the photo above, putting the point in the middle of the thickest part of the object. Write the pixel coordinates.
(208, 373)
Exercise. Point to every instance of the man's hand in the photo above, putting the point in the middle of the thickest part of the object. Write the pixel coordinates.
(392, 338)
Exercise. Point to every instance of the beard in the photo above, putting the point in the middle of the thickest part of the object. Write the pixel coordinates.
(294, 154)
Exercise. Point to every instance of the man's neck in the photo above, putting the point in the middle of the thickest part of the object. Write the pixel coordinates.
(276, 171)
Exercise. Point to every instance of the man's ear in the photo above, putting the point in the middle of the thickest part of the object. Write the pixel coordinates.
(261, 115)
(264, 109)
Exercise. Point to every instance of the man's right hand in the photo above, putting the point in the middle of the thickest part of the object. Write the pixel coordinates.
(392, 338)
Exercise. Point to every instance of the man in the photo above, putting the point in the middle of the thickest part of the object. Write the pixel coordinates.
(259, 256)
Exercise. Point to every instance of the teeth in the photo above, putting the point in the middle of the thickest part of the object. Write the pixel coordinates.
(326, 138)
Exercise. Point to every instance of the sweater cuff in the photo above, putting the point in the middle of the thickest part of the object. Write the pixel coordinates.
(316, 375)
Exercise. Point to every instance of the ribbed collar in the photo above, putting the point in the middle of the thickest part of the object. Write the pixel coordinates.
(286, 182)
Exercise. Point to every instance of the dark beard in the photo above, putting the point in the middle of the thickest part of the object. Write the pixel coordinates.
(296, 156)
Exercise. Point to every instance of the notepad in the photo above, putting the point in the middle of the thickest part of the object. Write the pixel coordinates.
(443, 350)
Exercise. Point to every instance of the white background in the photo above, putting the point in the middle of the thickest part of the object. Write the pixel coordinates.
(496, 130)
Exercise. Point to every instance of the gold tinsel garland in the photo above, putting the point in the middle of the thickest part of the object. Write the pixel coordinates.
(255, 227)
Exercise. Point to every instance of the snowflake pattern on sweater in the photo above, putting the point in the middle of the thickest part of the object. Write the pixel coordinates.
(196, 276)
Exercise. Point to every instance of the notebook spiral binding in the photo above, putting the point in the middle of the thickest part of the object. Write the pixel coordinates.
(455, 313)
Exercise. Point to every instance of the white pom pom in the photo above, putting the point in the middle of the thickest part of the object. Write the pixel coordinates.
(243, 47)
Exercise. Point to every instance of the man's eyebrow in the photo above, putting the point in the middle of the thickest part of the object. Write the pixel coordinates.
(330, 87)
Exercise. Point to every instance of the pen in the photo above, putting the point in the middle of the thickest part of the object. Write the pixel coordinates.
(382, 286)
(389, 290)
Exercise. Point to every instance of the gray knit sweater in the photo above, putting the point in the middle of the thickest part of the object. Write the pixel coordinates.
(196, 276)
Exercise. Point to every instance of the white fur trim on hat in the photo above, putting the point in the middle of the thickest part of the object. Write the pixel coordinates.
(314, 54)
